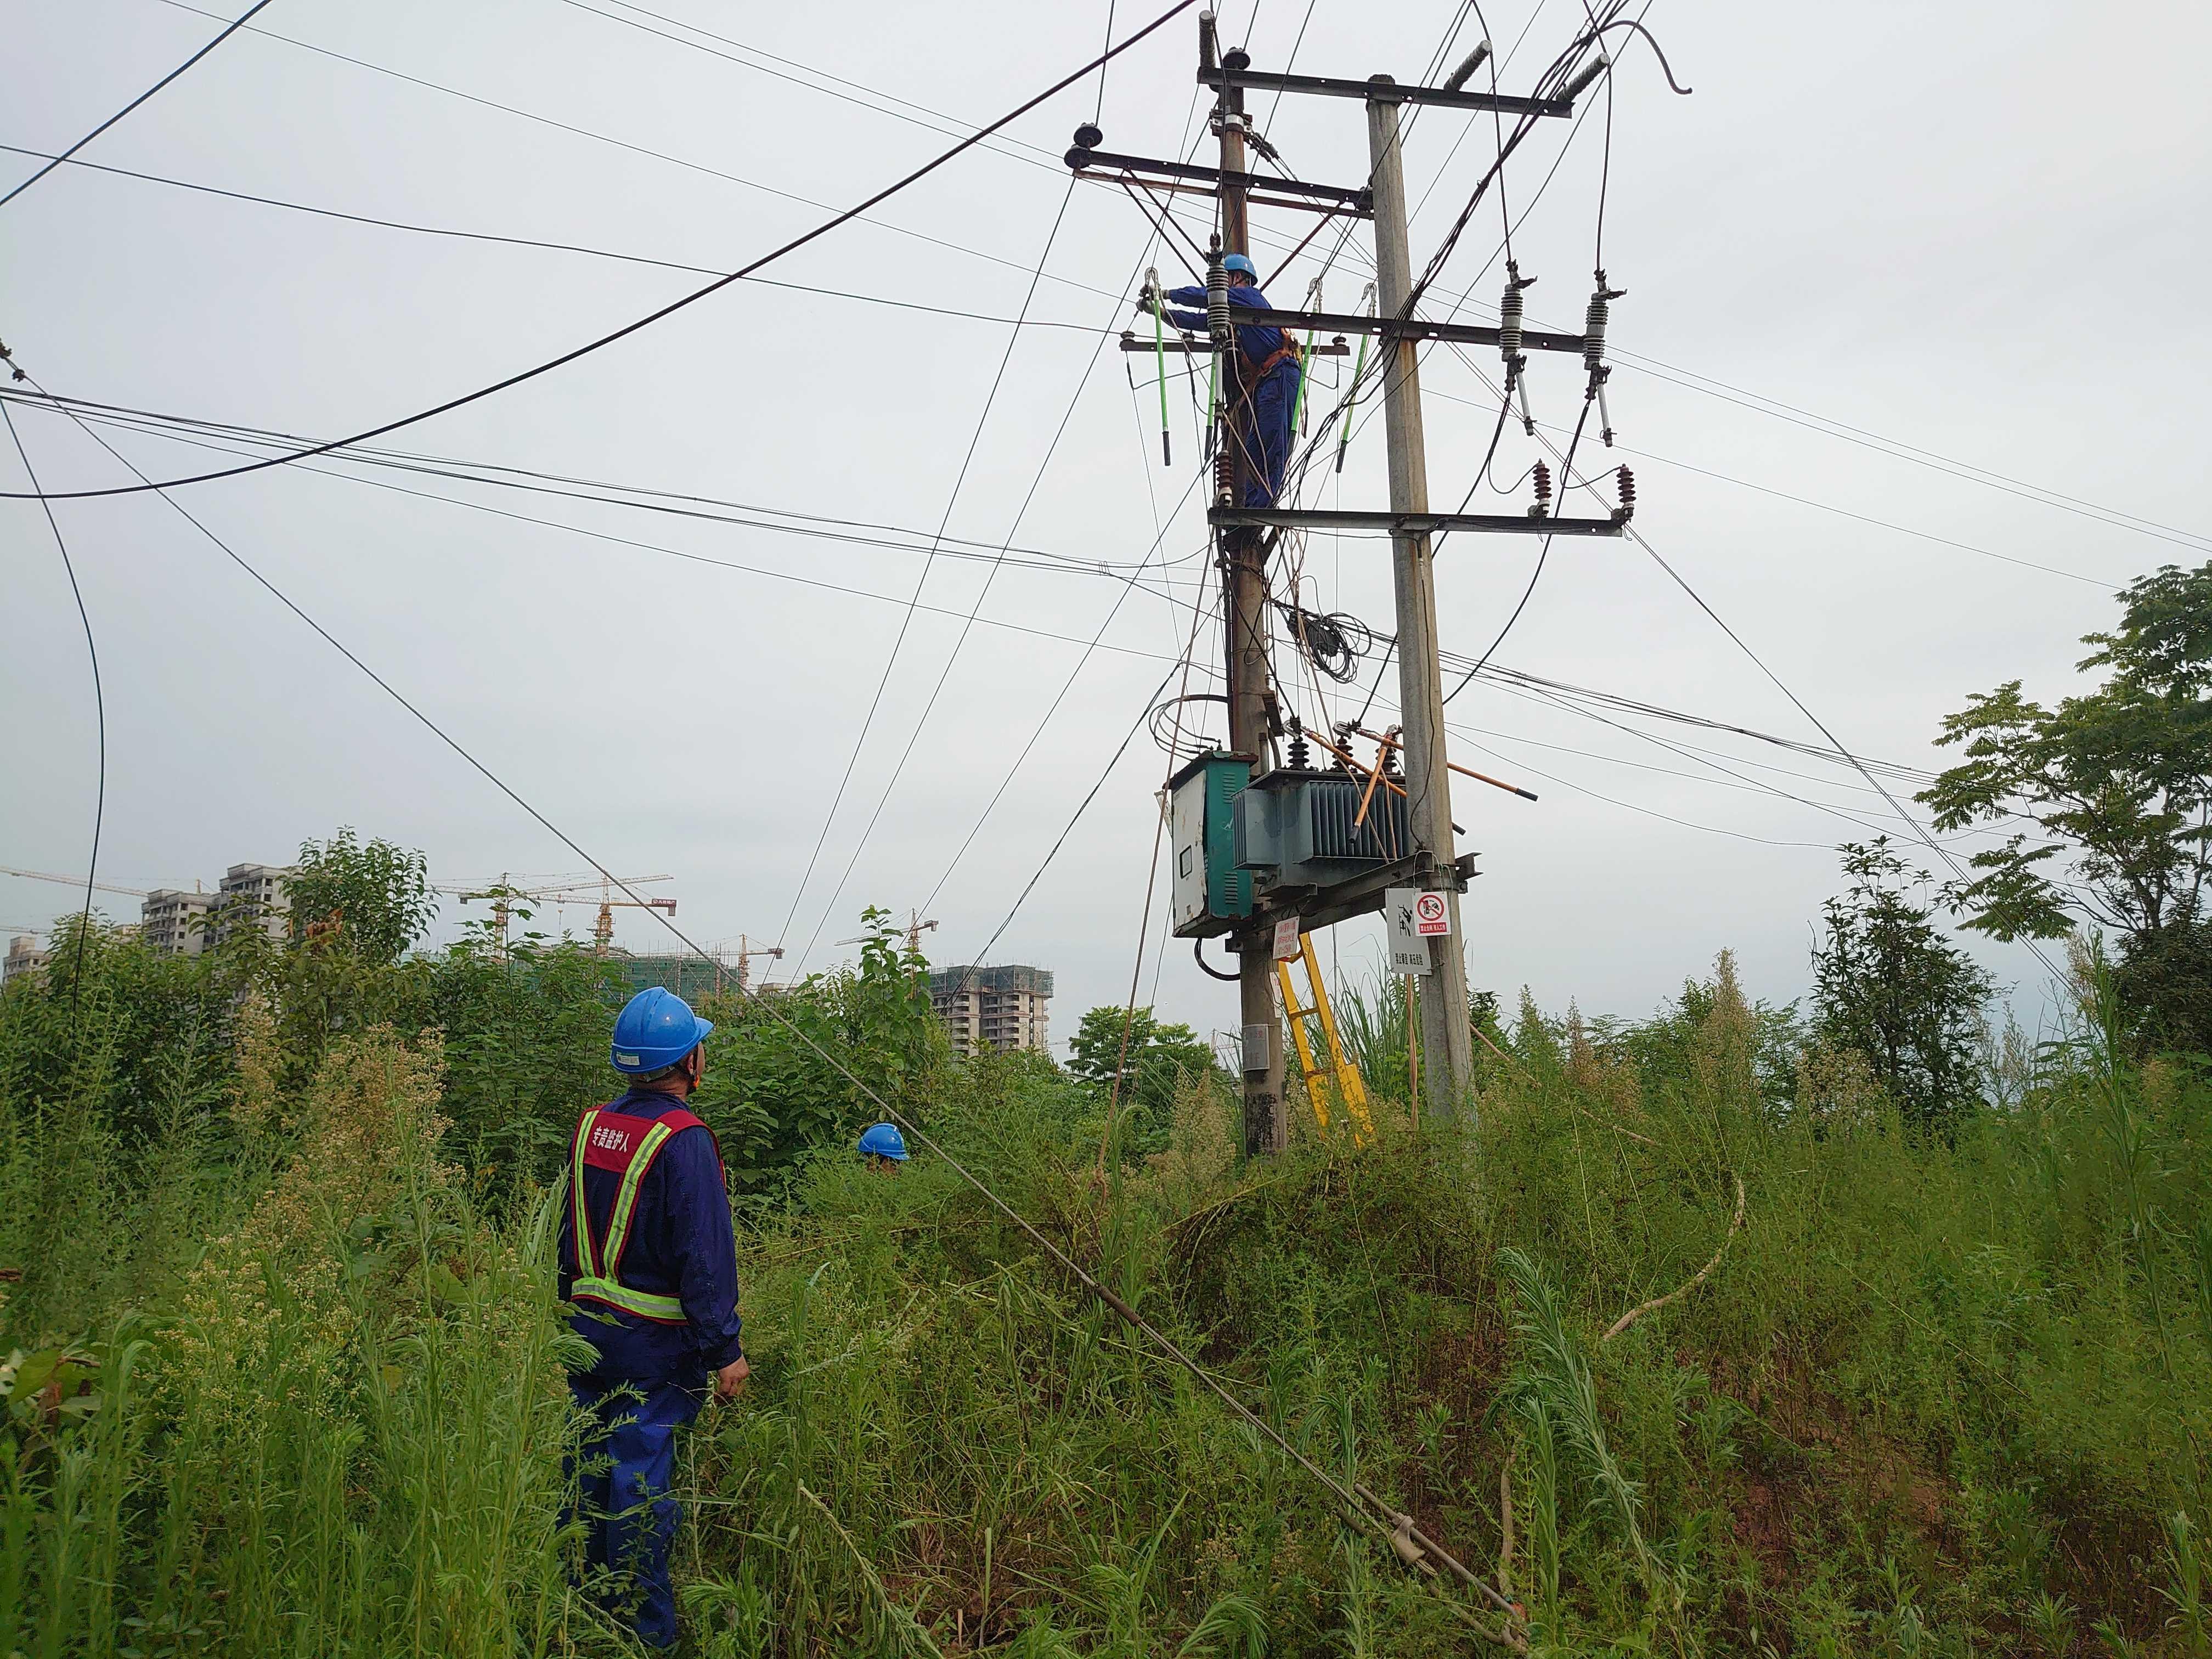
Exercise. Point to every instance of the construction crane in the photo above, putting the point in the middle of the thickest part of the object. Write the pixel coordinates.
(72, 881)
(746, 952)
(603, 929)
(914, 928)
(505, 896)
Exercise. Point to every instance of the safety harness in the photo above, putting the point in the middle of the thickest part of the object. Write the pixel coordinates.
(626, 1145)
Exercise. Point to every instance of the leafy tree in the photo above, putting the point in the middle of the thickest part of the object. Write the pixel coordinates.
(1160, 1056)
(373, 895)
(1888, 983)
(2118, 783)
(770, 1095)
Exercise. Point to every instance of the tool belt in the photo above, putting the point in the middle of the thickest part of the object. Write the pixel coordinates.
(1287, 352)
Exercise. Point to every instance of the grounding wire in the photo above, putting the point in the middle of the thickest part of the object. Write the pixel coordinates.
(683, 301)
(229, 29)
(100, 716)
(1165, 1346)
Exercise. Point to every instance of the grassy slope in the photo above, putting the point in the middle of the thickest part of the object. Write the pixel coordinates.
(1934, 1397)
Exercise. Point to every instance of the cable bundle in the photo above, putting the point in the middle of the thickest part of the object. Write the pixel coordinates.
(1332, 641)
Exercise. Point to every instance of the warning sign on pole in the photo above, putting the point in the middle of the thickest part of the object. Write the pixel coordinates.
(1409, 952)
(1431, 916)
(1286, 939)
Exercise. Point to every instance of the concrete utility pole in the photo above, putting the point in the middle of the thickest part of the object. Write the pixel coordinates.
(1447, 1044)
(1242, 555)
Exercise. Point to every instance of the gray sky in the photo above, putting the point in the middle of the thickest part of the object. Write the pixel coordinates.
(1969, 230)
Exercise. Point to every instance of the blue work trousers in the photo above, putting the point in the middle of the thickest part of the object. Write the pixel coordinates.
(1275, 401)
(625, 1474)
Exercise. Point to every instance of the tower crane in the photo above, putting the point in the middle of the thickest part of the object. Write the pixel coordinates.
(73, 881)
(505, 896)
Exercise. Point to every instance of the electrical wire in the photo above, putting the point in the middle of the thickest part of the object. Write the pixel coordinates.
(100, 716)
(1163, 1345)
(552, 247)
(229, 29)
(890, 661)
(677, 503)
(674, 306)
(617, 143)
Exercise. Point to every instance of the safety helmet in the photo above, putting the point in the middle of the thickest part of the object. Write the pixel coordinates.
(1239, 264)
(883, 1140)
(655, 1028)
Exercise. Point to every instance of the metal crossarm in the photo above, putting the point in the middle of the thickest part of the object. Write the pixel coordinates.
(1081, 159)
(1414, 524)
(1409, 328)
(1380, 90)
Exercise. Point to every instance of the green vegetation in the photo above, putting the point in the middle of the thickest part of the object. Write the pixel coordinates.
(284, 1366)
(1721, 1332)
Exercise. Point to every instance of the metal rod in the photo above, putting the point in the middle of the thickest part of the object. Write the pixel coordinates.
(1412, 523)
(1384, 91)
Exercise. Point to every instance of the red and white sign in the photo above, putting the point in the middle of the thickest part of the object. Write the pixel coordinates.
(1286, 939)
(1431, 916)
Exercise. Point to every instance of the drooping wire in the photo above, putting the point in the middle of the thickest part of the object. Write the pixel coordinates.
(1165, 1345)
(1332, 641)
(100, 714)
(945, 521)
(233, 28)
(673, 306)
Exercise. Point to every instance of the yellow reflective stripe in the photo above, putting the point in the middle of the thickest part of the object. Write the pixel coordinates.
(629, 1301)
(626, 1200)
(586, 1264)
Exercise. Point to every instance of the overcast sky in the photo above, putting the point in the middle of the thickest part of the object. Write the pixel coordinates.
(1975, 230)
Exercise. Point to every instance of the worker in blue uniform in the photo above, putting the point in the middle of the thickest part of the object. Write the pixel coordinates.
(1267, 375)
(649, 1262)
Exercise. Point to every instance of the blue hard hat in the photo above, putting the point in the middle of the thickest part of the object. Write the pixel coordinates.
(1237, 262)
(883, 1140)
(656, 1027)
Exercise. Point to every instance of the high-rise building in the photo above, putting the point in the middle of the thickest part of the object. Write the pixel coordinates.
(993, 1007)
(175, 923)
(253, 894)
(23, 957)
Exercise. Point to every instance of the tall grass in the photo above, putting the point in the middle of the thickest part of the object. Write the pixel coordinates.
(285, 1377)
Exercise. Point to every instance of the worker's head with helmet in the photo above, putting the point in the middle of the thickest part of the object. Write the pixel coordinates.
(1242, 271)
(883, 1146)
(660, 1043)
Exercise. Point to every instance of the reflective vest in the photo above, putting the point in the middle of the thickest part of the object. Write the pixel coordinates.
(626, 1145)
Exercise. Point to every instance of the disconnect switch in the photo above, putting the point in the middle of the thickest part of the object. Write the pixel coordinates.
(1258, 1049)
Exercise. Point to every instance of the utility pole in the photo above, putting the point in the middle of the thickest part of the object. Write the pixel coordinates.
(1446, 1038)
(1242, 554)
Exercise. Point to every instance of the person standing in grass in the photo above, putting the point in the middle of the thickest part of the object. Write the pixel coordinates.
(649, 1262)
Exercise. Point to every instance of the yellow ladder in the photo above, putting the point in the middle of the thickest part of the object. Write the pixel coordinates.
(1339, 1069)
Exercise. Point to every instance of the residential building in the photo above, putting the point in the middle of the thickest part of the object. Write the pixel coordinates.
(23, 957)
(993, 1007)
(254, 895)
(175, 923)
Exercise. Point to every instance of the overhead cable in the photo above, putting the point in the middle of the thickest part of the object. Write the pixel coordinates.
(672, 306)
(230, 29)
(1165, 1345)
(100, 716)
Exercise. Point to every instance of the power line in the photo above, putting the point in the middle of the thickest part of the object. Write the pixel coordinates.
(99, 706)
(229, 30)
(1163, 1344)
(620, 143)
(674, 504)
(890, 660)
(668, 310)
(557, 248)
